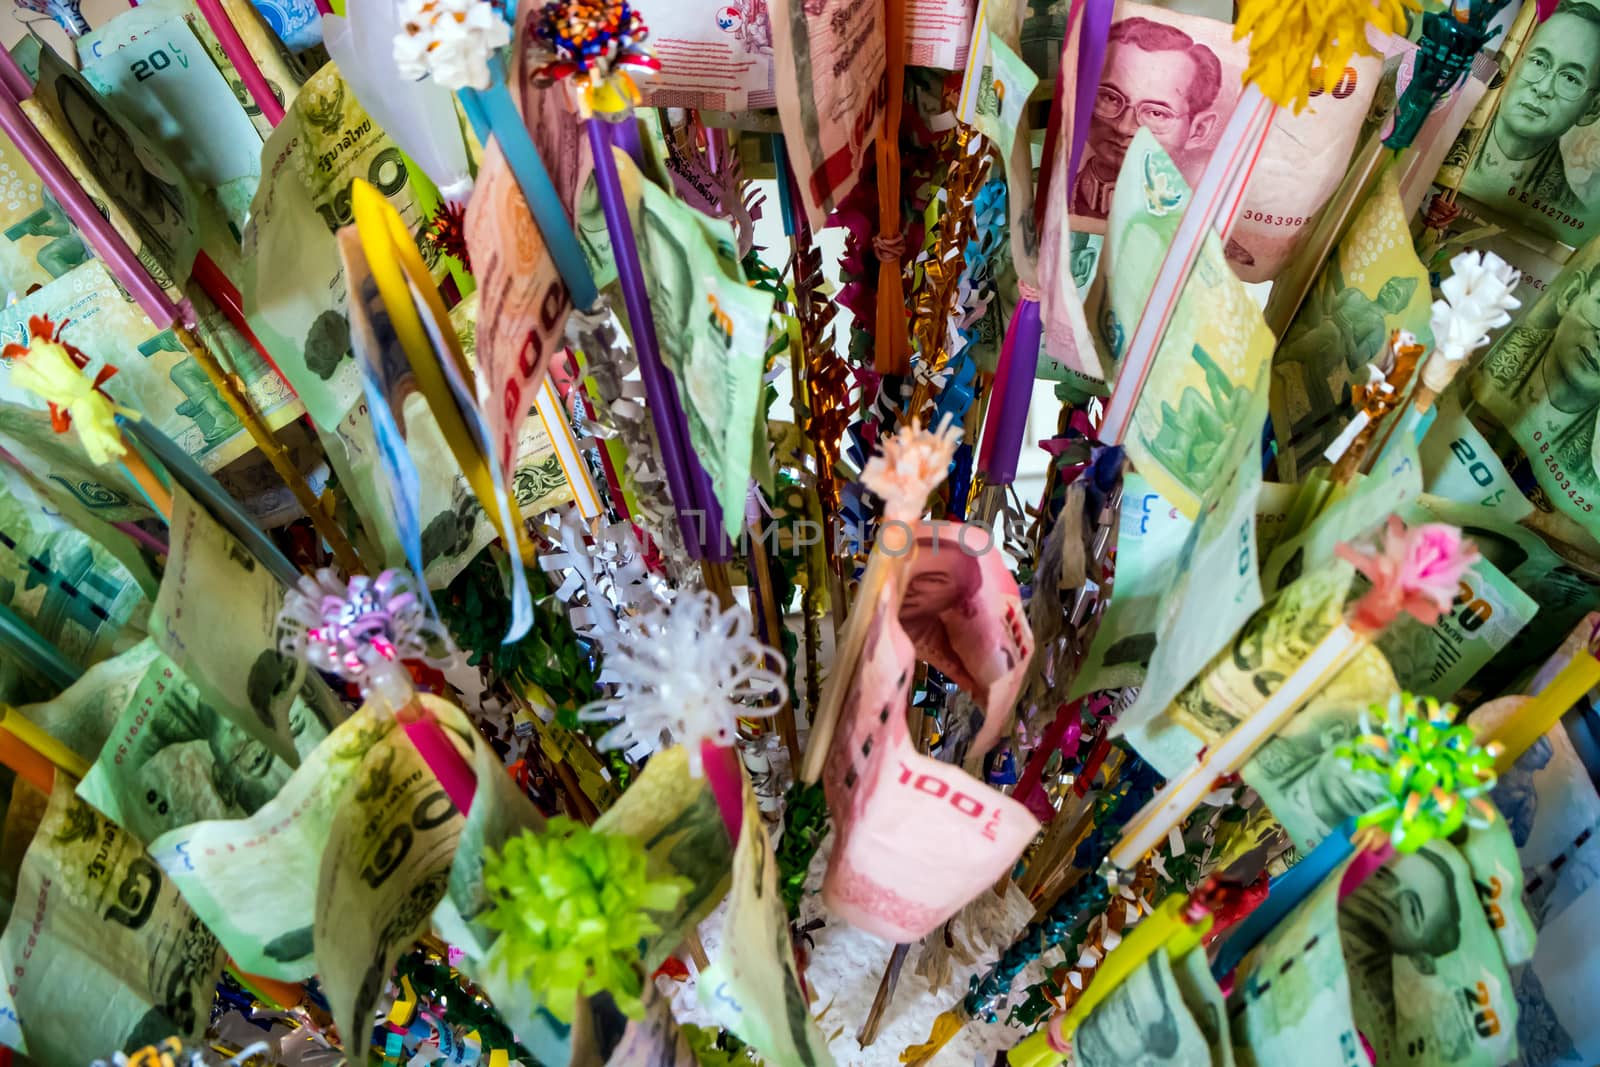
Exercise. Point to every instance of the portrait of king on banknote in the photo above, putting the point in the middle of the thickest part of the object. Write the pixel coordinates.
(1537, 165)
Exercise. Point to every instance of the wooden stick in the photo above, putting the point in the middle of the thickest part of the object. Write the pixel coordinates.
(891, 978)
(232, 391)
(762, 568)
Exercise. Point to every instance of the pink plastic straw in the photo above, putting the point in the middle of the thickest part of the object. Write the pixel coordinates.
(722, 774)
(103, 237)
(1362, 867)
(233, 47)
(443, 760)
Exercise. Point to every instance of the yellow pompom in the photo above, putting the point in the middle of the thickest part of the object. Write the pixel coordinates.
(54, 371)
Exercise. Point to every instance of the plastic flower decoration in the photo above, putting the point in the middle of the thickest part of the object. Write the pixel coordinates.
(348, 628)
(1417, 572)
(594, 42)
(909, 466)
(1477, 298)
(53, 369)
(1293, 40)
(572, 905)
(449, 40)
(1435, 774)
(684, 673)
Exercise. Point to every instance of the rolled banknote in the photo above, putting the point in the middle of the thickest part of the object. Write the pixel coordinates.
(1151, 534)
(1144, 1019)
(1428, 982)
(165, 80)
(753, 988)
(150, 201)
(1194, 416)
(680, 825)
(1540, 382)
(523, 300)
(293, 283)
(1372, 284)
(228, 645)
(714, 56)
(832, 86)
(59, 461)
(899, 815)
(1291, 1001)
(1215, 589)
(172, 760)
(272, 859)
(385, 866)
(97, 923)
(1536, 165)
(83, 715)
(1177, 76)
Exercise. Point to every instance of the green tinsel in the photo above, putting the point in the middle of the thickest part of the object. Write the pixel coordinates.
(572, 906)
(805, 823)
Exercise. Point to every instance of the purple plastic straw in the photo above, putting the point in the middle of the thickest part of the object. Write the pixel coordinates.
(1001, 463)
(103, 237)
(659, 390)
(1091, 60)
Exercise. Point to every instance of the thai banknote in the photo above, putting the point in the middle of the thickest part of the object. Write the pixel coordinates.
(163, 78)
(25, 808)
(900, 816)
(150, 202)
(272, 859)
(1291, 1000)
(280, 69)
(832, 88)
(1556, 1021)
(228, 644)
(97, 924)
(1241, 677)
(712, 329)
(66, 586)
(753, 988)
(1144, 1019)
(39, 240)
(1151, 534)
(1178, 76)
(1212, 589)
(385, 866)
(155, 375)
(1537, 164)
(714, 56)
(83, 715)
(677, 820)
(1565, 585)
(1194, 417)
(59, 461)
(1428, 982)
(1204, 999)
(293, 283)
(1372, 284)
(1540, 382)
(45, 501)
(1459, 463)
(172, 760)
(522, 300)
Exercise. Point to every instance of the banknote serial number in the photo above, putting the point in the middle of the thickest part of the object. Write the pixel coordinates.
(1545, 208)
(1562, 480)
(939, 789)
(1275, 220)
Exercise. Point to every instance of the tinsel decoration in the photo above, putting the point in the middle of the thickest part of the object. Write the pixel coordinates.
(619, 415)
(435, 981)
(1436, 775)
(934, 323)
(572, 905)
(347, 628)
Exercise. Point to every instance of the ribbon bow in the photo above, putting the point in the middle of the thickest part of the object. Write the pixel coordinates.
(53, 369)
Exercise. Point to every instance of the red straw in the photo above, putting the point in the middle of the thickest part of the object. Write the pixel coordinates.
(233, 47)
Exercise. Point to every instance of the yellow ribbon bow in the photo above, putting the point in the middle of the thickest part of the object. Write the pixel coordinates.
(53, 369)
